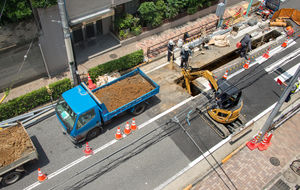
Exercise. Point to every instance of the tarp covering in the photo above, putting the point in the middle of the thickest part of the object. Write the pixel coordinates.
(294, 14)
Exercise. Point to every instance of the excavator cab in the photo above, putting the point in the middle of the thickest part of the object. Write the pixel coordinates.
(228, 103)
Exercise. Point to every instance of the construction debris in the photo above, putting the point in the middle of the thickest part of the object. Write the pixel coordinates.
(219, 40)
(104, 79)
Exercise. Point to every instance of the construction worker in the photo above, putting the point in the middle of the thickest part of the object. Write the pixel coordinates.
(185, 37)
(293, 90)
(185, 54)
(246, 46)
(171, 45)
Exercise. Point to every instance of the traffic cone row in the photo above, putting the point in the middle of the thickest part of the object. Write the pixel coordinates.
(88, 150)
(41, 176)
(284, 44)
(246, 65)
(127, 130)
(266, 142)
(263, 145)
(266, 55)
(225, 75)
(253, 143)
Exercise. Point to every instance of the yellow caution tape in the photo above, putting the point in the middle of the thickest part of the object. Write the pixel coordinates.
(2, 98)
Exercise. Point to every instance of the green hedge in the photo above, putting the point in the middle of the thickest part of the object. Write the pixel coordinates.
(33, 99)
(57, 88)
(121, 64)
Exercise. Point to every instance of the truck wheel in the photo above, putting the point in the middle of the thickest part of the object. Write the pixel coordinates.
(94, 133)
(11, 178)
(140, 108)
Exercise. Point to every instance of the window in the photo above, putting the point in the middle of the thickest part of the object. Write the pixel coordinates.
(66, 114)
(85, 118)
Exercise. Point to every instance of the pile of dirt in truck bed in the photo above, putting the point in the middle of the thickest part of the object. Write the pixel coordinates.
(123, 92)
(14, 143)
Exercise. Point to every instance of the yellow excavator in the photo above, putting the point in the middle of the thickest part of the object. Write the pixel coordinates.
(227, 102)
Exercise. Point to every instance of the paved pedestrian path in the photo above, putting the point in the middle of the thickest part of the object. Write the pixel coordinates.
(253, 170)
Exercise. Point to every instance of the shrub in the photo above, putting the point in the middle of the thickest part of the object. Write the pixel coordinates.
(137, 30)
(161, 7)
(121, 64)
(172, 9)
(123, 34)
(43, 3)
(24, 103)
(192, 10)
(147, 11)
(126, 22)
(57, 88)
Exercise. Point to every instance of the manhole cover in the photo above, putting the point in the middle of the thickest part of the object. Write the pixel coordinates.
(280, 185)
(274, 161)
(113, 56)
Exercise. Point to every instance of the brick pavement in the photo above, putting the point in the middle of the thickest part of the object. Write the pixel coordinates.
(252, 169)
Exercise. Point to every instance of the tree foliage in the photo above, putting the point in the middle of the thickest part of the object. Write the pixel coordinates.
(17, 10)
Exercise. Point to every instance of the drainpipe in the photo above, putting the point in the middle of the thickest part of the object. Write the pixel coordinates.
(67, 38)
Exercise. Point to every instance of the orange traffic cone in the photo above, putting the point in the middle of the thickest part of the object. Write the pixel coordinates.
(41, 176)
(284, 44)
(246, 65)
(127, 130)
(266, 142)
(225, 75)
(88, 150)
(91, 84)
(118, 135)
(252, 144)
(133, 125)
(266, 55)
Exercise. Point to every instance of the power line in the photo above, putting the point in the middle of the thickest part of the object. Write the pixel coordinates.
(2, 10)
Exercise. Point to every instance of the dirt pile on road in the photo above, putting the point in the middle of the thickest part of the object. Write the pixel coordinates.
(14, 143)
(123, 92)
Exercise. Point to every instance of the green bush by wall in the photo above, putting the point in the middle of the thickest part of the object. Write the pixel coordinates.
(33, 99)
(57, 88)
(121, 64)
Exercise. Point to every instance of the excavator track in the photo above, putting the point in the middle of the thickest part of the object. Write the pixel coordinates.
(220, 129)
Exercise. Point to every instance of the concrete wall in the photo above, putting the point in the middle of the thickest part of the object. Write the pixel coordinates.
(52, 40)
(106, 24)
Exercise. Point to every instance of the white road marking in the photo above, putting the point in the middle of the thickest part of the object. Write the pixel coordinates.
(109, 144)
(261, 59)
(214, 148)
(278, 63)
(287, 74)
(157, 68)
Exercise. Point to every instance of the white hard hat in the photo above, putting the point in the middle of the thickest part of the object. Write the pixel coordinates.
(171, 42)
(186, 48)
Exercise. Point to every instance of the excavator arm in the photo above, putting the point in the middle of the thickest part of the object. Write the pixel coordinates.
(190, 76)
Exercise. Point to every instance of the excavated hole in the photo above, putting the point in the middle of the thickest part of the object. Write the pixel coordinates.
(228, 58)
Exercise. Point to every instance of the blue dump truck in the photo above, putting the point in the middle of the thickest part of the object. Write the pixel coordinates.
(83, 112)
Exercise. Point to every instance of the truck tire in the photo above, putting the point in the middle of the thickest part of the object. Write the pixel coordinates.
(10, 178)
(94, 133)
(140, 108)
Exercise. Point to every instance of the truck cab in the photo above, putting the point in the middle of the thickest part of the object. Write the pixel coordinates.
(78, 114)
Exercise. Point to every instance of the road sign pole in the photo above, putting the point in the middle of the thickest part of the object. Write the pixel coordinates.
(270, 120)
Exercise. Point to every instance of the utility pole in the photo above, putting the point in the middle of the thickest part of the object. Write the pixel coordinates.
(248, 9)
(67, 37)
(274, 112)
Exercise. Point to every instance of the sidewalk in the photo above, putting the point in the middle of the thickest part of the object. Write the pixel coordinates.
(253, 170)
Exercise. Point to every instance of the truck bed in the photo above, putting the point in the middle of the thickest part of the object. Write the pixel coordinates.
(124, 93)
(16, 148)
